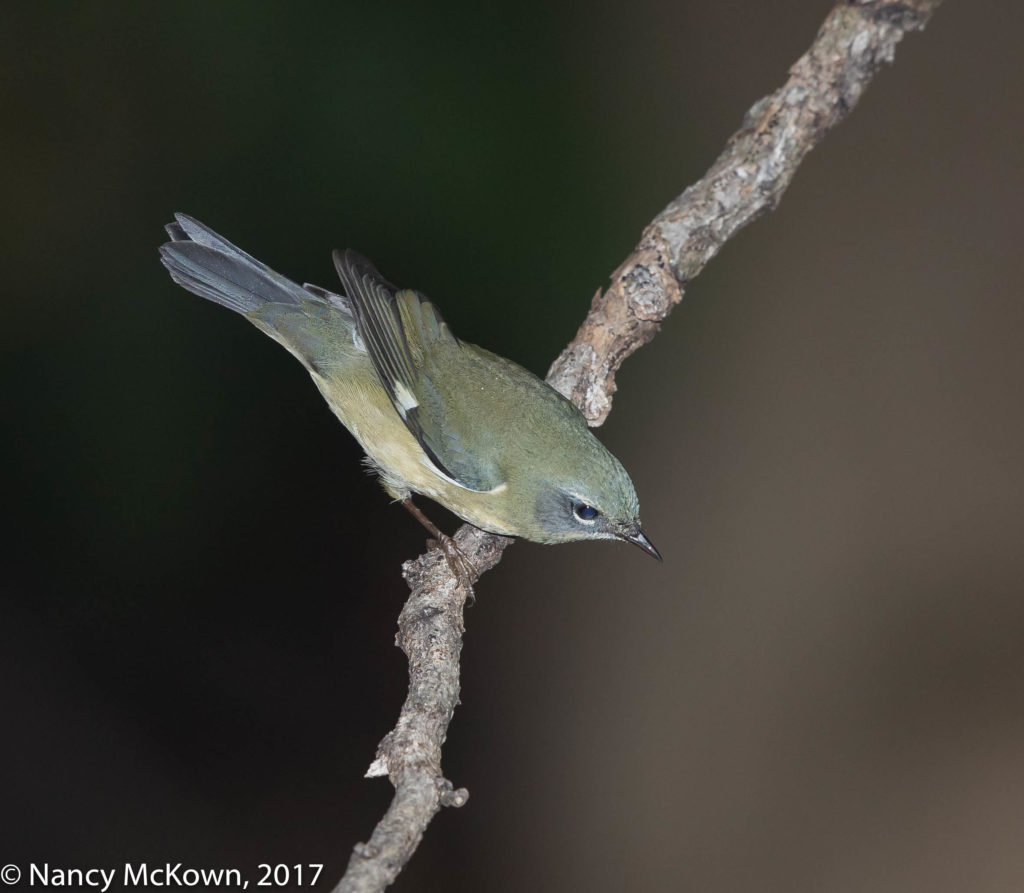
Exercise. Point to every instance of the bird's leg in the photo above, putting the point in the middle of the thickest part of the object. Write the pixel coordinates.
(458, 560)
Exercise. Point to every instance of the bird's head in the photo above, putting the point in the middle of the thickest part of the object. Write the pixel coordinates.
(592, 498)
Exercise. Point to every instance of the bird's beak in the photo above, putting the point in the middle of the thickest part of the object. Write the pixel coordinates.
(637, 538)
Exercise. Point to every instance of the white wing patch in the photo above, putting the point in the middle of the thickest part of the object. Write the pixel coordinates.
(406, 400)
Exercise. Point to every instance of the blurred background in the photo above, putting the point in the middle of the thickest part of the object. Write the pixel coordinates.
(822, 686)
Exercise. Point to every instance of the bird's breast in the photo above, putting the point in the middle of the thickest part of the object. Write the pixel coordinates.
(363, 407)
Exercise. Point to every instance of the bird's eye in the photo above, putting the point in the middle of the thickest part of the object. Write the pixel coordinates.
(586, 512)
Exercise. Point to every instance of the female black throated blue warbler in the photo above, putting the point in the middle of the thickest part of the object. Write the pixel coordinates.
(437, 416)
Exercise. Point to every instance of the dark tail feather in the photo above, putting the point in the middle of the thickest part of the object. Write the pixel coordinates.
(211, 267)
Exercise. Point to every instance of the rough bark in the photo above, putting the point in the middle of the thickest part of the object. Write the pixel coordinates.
(747, 180)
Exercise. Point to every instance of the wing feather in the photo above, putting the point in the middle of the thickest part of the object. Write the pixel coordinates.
(405, 335)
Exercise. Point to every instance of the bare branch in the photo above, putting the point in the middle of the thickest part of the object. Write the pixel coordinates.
(747, 180)
(430, 633)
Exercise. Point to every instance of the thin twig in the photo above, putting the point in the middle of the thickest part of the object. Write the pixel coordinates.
(746, 181)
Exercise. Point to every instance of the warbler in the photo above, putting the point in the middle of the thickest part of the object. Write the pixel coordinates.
(436, 416)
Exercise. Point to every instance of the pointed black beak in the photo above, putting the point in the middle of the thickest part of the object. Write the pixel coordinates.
(637, 538)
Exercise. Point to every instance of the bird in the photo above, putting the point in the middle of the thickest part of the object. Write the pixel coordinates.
(436, 416)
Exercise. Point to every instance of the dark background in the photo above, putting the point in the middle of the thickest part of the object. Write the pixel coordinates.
(822, 686)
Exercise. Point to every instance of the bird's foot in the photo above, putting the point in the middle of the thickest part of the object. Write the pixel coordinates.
(459, 562)
(464, 569)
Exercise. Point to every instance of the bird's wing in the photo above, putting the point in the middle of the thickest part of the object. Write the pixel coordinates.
(406, 337)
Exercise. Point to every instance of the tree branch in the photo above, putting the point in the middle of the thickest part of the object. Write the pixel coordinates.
(746, 181)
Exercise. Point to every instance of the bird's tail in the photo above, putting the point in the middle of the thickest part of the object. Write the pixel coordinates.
(312, 323)
(211, 267)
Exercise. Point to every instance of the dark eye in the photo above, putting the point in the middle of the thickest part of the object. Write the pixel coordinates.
(586, 512)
